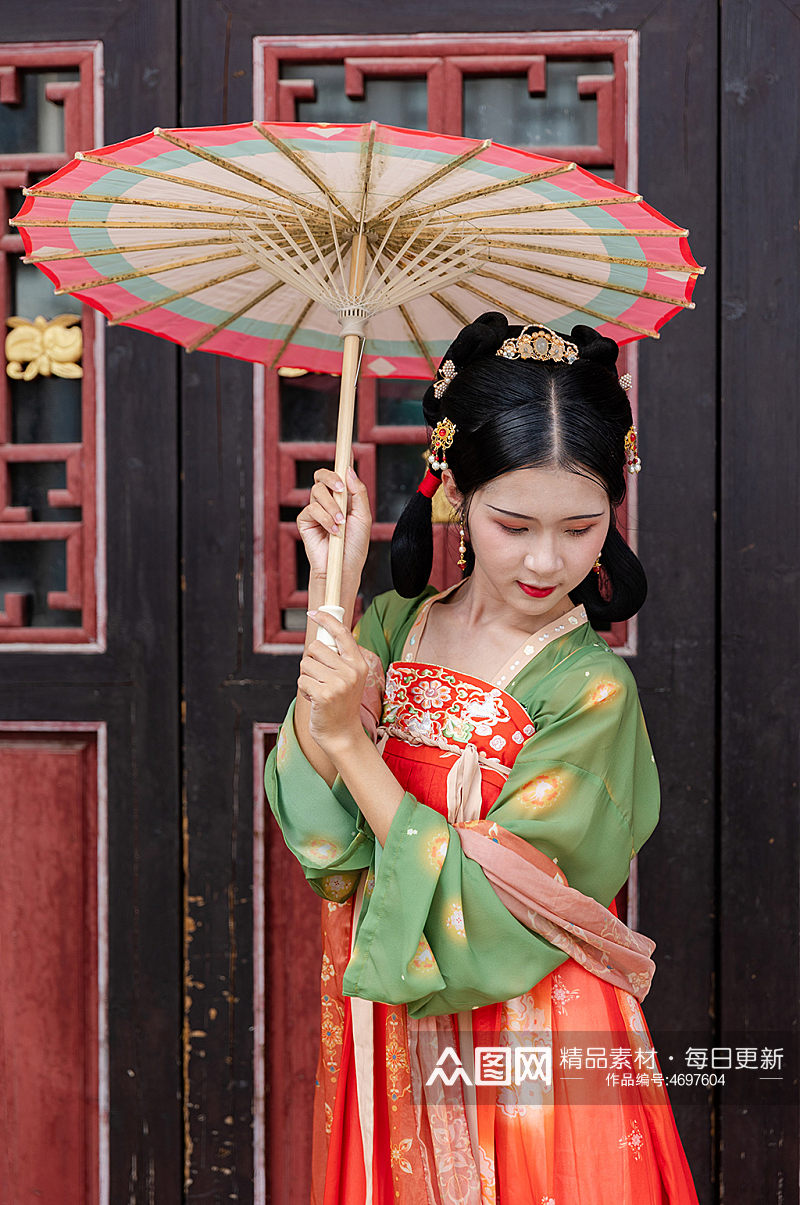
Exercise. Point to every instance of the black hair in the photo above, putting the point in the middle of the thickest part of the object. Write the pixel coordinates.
(526, 413)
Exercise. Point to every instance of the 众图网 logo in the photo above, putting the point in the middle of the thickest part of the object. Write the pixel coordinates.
(494, 1065)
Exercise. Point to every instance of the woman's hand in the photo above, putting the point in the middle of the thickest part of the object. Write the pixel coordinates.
(321, 519)
(333, 683)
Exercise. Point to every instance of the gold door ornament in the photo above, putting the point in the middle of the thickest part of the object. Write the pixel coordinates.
(45, 348)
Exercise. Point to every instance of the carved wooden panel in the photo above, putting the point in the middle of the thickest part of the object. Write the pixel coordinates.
(560, 94)
(51, 568)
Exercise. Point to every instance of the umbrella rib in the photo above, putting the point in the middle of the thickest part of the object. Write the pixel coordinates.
(249, 305)
(168, 178)
(423, 269)
(292, 332)
(336, 247)
(453, 310)
(565, 301)
(570, 231)
(571, 253)
(91, 252)
(300, 253)
(433, 178)
(587, 280)
(367, 173)
(86, 224)
(170, 297)
(415, 335)
(491, 189)
(156, 270)
(236, 169)
(329, 276)
(376, 254)
(480, 215)
(303, 166)
(197, 207)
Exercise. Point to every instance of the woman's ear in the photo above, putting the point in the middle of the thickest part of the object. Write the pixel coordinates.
(451, 491)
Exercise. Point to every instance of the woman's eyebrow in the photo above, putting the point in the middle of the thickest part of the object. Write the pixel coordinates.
(515, 515)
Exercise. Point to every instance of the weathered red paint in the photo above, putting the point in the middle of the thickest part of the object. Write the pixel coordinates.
(49, 1002)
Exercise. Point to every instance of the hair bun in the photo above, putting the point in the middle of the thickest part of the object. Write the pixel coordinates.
(595, 347)
(481, 338)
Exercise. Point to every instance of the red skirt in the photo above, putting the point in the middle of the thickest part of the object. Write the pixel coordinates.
(605, 1138)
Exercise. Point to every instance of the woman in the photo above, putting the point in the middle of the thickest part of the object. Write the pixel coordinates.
(465, 780)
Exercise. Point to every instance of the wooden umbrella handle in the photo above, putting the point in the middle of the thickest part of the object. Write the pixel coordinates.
(344, 441)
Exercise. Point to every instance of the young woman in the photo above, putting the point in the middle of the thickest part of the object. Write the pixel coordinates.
(465, 780)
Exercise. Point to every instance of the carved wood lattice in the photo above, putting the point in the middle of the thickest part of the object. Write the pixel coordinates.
(290, 73)
(65, 547)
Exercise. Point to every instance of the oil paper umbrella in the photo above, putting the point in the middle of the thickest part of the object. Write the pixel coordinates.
(319, 246)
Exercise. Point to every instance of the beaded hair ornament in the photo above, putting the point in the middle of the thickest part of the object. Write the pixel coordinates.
(534, 342)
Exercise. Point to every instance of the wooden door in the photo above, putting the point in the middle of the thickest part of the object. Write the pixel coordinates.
(89, 662)
(597, 90)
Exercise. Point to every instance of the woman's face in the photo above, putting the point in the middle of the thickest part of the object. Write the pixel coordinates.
(535, 533)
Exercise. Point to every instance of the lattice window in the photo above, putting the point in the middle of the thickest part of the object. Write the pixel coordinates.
(49, 564)
(564, 95)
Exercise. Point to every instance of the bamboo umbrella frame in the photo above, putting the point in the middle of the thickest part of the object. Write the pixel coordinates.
(334, 253)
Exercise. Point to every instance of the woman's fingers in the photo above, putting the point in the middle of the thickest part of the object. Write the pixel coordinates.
(348, 648)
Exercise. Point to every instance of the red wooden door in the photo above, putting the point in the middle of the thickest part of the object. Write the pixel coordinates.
(89, 690)
(579, 91)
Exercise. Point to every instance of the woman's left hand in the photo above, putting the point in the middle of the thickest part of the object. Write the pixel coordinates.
(333, 682)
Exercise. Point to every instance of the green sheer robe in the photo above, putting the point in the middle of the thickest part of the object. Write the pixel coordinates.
(583, 789)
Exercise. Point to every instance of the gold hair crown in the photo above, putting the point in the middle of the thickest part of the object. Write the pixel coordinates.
(537, 342)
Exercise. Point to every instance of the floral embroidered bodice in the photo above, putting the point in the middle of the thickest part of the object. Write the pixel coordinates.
(435, 705)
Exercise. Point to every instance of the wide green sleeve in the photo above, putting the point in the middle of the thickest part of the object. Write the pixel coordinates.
(583, 789)
(322, 825)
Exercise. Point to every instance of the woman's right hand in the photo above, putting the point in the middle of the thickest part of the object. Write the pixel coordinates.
(318, 521)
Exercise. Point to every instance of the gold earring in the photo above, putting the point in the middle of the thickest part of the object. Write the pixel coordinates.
(462, 548)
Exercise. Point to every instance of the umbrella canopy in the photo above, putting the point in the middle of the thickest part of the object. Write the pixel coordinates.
(259, 241)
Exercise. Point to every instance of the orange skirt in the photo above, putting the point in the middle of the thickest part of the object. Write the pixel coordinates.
(604, 1135)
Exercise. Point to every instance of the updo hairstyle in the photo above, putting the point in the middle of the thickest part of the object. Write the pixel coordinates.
(516, 414)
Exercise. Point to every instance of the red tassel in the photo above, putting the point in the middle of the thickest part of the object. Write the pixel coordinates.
(604, 584)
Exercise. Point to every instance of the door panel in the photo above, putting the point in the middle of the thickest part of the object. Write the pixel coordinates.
(89, 690)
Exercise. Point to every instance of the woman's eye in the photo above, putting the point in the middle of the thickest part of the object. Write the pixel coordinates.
(514, 530)
(578, 531)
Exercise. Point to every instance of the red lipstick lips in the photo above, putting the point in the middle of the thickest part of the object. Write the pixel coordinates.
(533, 592)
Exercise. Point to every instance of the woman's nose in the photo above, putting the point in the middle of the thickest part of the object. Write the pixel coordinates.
(545, 559)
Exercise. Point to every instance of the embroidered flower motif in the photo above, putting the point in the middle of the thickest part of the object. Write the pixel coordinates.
(498, 742)
(398, 1156)
(327, 969)
(529, 730)
(456, 729)
(431, 694)
(321, 851)
(328, 1118)
(561, 994)
(338, 886)
(423, 960)
(634, 1140)
(370, 885)
(638, 981)
(437, 850)
(517, 738)
(541, 791)
(603, 691)
(455, 921)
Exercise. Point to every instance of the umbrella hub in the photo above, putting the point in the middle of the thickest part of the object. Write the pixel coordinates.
(353, 319)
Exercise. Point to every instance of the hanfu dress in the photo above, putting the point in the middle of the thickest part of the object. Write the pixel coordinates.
(485, 924)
